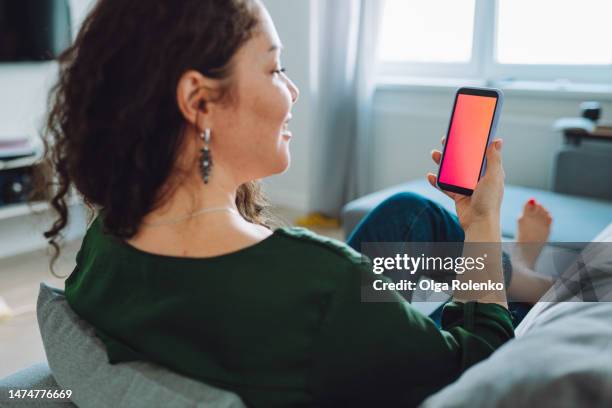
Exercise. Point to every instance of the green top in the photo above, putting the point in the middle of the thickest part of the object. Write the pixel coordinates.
(281, 323)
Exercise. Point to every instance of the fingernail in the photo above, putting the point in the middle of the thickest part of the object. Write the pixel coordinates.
(531, 201)
(498, 144)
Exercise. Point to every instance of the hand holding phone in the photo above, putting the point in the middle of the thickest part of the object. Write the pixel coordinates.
(483, 200)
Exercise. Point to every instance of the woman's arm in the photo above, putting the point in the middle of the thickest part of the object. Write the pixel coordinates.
(479, 216)
(483, 238)
(389, 354)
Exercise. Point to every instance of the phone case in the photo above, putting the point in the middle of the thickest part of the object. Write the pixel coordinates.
(496, 116)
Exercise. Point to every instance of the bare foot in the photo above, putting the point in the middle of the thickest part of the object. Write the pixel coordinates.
(533, 231)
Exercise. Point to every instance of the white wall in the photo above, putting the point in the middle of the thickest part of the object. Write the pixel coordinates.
(23, 97)
(295, 25)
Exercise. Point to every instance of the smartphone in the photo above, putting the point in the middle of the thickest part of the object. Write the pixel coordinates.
(472, 127)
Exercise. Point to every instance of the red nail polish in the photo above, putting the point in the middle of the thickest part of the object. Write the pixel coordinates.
(531, 201)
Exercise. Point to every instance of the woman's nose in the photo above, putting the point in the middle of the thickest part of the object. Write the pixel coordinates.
(295, 92)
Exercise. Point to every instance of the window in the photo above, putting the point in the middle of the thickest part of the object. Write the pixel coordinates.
(498, 39)
(551, 32)
(448, 35)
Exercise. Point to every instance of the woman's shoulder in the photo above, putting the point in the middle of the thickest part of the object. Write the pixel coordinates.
(315, 246)
(93, 228)
(297, 245)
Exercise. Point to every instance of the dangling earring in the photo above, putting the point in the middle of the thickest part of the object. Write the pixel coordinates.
(206, 157)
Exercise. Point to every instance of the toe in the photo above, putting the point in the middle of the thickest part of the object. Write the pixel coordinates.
(530, 206)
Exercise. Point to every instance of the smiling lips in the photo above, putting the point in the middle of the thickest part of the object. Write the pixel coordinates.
(285, 131)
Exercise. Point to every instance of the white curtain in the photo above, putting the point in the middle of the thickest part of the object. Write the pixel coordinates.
(348, 38)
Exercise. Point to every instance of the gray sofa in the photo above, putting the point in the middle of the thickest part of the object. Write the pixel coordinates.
(36, 377)
(77, 363)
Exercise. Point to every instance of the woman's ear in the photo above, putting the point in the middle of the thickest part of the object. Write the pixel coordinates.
(195, 94)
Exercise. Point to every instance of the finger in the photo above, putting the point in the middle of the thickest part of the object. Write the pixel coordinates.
(443, 141)
(436, 156)
(432, 178)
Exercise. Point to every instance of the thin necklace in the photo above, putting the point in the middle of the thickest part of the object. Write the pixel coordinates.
(188, 216)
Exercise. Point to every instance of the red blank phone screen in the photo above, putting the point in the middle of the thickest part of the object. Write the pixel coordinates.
(467, 140)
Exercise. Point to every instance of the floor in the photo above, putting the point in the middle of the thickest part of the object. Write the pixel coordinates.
(20, 277)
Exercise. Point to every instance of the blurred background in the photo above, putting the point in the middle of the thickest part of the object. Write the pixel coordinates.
(377, 80)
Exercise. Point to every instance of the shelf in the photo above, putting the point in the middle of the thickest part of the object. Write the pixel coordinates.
(21, 209)
(17, 163)
(22, 226)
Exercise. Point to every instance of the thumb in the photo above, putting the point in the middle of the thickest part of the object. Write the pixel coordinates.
(494, 158)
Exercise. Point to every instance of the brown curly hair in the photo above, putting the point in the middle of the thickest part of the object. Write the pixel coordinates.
(114, 129)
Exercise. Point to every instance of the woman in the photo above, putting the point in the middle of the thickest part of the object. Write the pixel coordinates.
(165, 116)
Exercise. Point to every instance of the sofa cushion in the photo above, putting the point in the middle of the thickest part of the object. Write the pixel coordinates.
(579, 171)
(79, 363)
(576, 220)
(562, 354)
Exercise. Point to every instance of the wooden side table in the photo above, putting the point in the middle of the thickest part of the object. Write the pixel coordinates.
(575, 136)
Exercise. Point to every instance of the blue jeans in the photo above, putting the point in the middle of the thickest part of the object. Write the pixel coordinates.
(409, 217)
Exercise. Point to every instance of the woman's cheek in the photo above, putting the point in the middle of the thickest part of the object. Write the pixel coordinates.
(274, 115)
